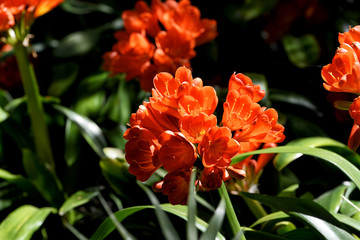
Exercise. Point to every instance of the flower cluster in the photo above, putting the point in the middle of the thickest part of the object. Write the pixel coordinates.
(144, 48)
(343, 75)
(11, 11)
(177, 130)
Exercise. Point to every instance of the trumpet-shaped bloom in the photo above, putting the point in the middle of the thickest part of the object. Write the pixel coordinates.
(130, 54)
(7, 19)
(186, 20)
(195, 127)
(354, 138)
(176, 186)
(245, 86)
(343, 74)
(141, 152)
(217, 147)
(141, 19)
(176, 153)
(239, 111)
(213, 177)
(10, 11)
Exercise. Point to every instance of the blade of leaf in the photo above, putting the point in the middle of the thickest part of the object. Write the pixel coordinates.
(90, 130)
(77, 199)
(44, 181)
(23, 222)
(325, 228)
(316, 142)
(191, 231)
(215, 222)
(270, 217)
(165, 224)
(107, 226)
(348, 221)
(297, 205)
(332, 200)
(341, 163)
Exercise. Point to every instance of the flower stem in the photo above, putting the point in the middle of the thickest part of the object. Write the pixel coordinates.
(35, 107)
(230, 212)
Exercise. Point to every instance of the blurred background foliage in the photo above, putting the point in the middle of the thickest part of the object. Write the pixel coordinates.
(281, 44)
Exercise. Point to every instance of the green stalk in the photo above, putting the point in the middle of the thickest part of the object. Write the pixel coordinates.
(36, 111)
(230, 212)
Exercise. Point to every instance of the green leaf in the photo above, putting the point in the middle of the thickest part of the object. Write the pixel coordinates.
(89, 130)
(256, 235)
(351, 222)
(64, 76)
(297, 205)
(191, 232)
(341, 163)
(283, 159)
(77, 199)
(44, 181)
(325, 228)
(270, 217)
(215, 222)
(23, 222)
(81, 7)
(166, 226)
(107, 226)
(332, 200)
(302, 51)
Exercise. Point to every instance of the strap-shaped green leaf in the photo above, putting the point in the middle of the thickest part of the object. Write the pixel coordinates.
(23, 222)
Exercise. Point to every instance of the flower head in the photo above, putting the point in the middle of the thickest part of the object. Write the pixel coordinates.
(165, 49)
(177, 130)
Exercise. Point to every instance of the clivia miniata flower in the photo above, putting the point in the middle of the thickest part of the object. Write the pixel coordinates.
(11, 11)
(178, 130)
(343, 75)
(166, 36)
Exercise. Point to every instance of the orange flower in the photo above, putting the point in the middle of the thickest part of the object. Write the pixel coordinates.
(195, 127)
(173, 50)
(212, 177)
(168, 90)
(353, 35)
(217, 147)
(141, 19)
(129, 55)
(34, 9)
(141, 152)
(343, 74)
(354, 138)
(176, 153)
(6, 18)
(176, 186)
(239, 111)
(244, 85)
(264, 129)
(155, 121)
(186, 20)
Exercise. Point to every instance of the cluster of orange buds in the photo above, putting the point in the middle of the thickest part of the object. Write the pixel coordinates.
(157, 38)
(11, 11)
(177, 130)
(343, 75)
